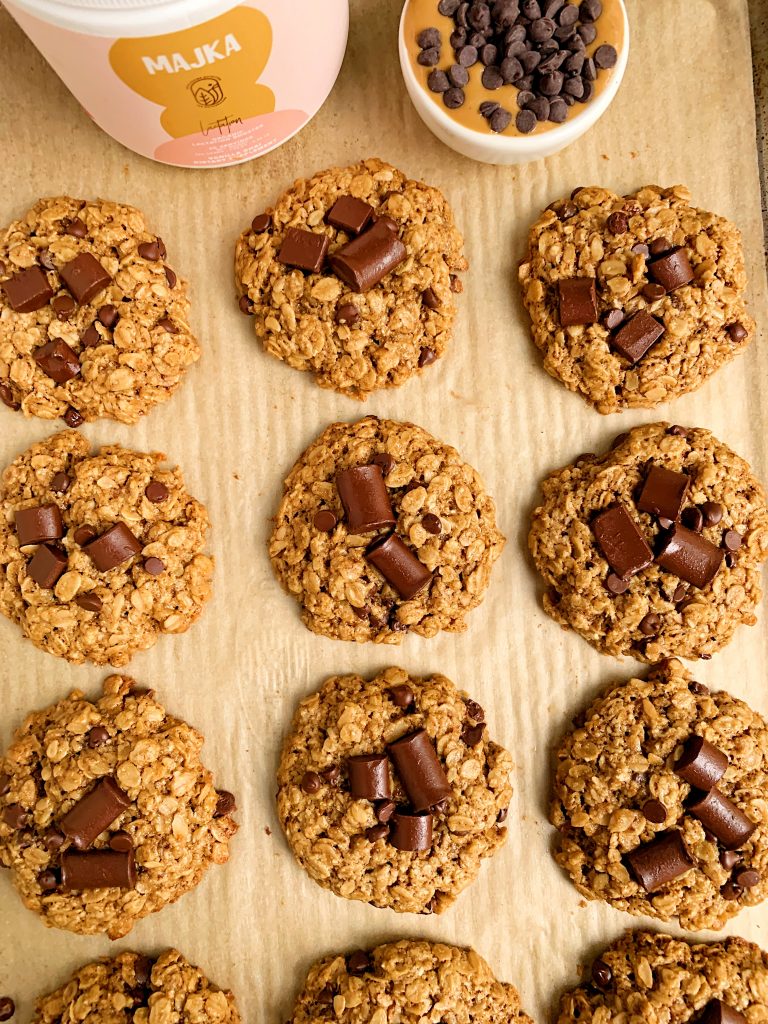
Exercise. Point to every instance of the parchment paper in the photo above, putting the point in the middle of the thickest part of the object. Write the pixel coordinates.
(684, 114)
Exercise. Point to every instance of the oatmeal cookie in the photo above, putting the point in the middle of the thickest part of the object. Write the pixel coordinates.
(92, 321)
(111, 790)
(420, 562)
(349, 805)
(669, 307)
(100, 553)
(657, 979)
(354, 337)
(622, 783)
(133, 989)
(410, 981)
(693, 520)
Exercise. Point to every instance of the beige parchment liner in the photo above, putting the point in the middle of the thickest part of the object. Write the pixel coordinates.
(684, 114)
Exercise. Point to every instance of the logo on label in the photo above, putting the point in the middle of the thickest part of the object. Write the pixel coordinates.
(207, 91)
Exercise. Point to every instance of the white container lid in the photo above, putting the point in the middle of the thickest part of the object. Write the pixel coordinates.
(121, 17)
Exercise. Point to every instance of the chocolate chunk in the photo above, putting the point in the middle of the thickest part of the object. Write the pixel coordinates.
(367, 259)
(432, 524)
(121, 842)
(663, 492)
(47, 565)
(324, 520)
(304, 249)
(28, 290)
(350, 214)
(701, 764)
(369, 777)
(402, 695)
(84, 535)
(635, 337)
(427, 356)
(722, 818)
(113, 548)
(347, 313)
(156, 492)
(75, 227)
(622, 544)
(472, 734)
(41, 523)
(659, 246)
(15, 816)
(108, 316)
(7, 1008)
(712, 512)
(154, 566)
(650, 624)
(98, 869)
(653, 865)
(358, 962)
(672, 270)
(718, 1012)
(85, 277)
(97, 736)
(311, 782)
(398, 565)
(732, 540)
(616, 585)
(365, 499)
(736, 332)
(655, 812)
(602, 975)
(578, 301)
(94, 813)
(261, 222)
(57, 360)
(170, 277)
(64, 306)
(411, 832)
(690, 557)
(376, 833)
(60, 483)
(420, 770)
(226, 803)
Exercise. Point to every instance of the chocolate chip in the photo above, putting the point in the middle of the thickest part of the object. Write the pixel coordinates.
(747, 878)
(91, 337)
(432, 524)
(558, 110)
(97, 736)
(616, 585)
(681, 591)
(6, 396)
(655, 812)
(693, 519)
(120, 842)
(84, 535)
(5, 784)
(156, 492)
(427, 356)
(472, 734)
(602, 975)
(458, 76)
(15, 817)
(437, 81)
(428, 37)
(347, 313)
(376, 833)
(502, 815)
(85, 277)
(89, 602)
(170, 277)
(325, 997)
(358, 962)
(168, 325)
(612, 319)
(641, 249)
(331, 775)
(605, 56)
(428, 58)
(525, 121)
(7, 1007)
(732, 540)
(475, 711)
(53, 839)
(261, 222)
(736, 332)
(245, 305)
(44, 258)
(324, 520)
(225, 804)
(64, 306)
(652, 292)
(311, 782)
(491, 78)
(729, 859)
(659, 246)
(385, 461)
(540, 107)
(60, 483)
(75, 227)
(488, 107)
(730, 891)
(402, 695)
(488, 54)
(154, 566)
(384, 810)
(108, 316)
(430, 299)
(142, 969)
(466, 56)
(677, 431)
(712, 512)
(650, 624)
(154, 250)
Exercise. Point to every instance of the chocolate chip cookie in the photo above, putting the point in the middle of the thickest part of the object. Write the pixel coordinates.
(133, 989)
(653, 549)
(649, 977)
(634, 299)
(100, 552)
(384, 530)
(390, 790)
(657, 800)
(408, 981)
(352, 275)
(92, 321)
(107, 813)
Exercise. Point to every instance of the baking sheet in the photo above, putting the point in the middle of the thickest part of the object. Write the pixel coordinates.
(241, 418)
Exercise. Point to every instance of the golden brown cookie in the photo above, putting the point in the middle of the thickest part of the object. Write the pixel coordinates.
(354, 341)
(696, 574)
(624, 792)
(100, 552)
(111, 790)
(649, 977)
(92, 321)
(668, 305)
(420, 567)
(408, 981)
(133, 989)
(354, 811)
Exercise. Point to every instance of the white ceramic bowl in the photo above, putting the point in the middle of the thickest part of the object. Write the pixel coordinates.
(508, 149)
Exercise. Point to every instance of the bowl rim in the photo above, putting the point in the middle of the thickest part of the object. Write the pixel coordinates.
(570, 129)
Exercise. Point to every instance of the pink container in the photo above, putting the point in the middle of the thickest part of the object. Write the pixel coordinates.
(195, 83)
